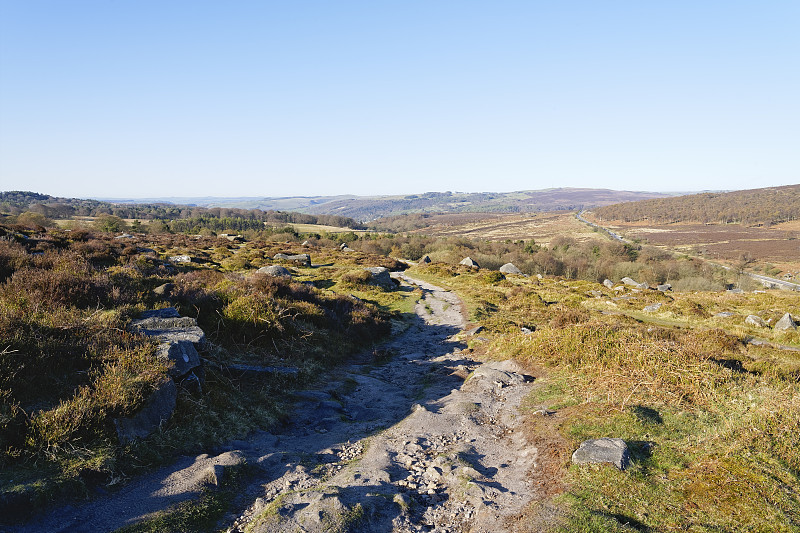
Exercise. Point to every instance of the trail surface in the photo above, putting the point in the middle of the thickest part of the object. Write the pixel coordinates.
(428, 441)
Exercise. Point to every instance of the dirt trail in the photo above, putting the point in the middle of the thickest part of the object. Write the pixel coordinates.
(428, 441)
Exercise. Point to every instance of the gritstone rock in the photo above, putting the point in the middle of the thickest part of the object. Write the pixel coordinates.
(164, 290)
(425, 259)
(156, 410)
(786, 323)
(664, 287)
(274, 270)
(608, 283)
(303, 259)
(467, 261)
(755, 320)
(605, 450)
(380, 276)
(652, 308)
(509, 268)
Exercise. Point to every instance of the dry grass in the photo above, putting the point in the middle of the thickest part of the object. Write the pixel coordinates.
(713, 424)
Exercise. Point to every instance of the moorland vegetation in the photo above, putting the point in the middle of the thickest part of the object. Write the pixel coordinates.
(711, 418)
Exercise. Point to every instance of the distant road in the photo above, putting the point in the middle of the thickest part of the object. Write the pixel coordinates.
(610, 233)
(772, 283)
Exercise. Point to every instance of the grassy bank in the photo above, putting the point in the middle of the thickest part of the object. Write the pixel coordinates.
(712, 422)
(69, 365)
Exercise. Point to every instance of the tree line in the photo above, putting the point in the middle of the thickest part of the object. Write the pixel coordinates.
(51, 207)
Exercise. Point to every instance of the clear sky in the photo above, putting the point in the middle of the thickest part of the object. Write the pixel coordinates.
(302, 97)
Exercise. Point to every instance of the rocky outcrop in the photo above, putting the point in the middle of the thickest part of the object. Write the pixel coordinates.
(509, 268)
(605, 450)
(786, 323)
(180, 340)
(467, 261)
(275, 271)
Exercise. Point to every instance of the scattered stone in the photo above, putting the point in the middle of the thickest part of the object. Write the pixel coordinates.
(380, 276)
(735, 291)
(306, 244)
(509, 268)
(755, 320)
(786, 323)
(425, 259)
(180, 259)
(539, 277)
(664, 287)
(724, 314)
(652, 308)
(526, 331)
(629, 281)
(608, 283)
(124, 236)
(275, 271)
(343, 246)
(605, 450)
(164, 290)
(156, 410)
(467, 261)
(595, 293)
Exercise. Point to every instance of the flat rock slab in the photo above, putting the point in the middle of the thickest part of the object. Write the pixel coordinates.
(605, 450)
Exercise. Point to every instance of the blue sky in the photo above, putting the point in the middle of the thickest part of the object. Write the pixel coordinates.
(195, 98)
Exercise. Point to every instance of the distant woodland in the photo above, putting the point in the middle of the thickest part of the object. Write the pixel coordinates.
(184, 216)
(751, 207)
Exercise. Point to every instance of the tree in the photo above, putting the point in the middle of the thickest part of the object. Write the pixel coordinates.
(110, 223)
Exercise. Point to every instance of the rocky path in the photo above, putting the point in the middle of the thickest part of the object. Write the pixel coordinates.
(428, 441)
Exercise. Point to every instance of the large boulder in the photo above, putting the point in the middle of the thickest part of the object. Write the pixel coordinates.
(630, 281)
(157, 409)
(652, 308)
(467, 261)
(786, 323)
(275, 271)
(425, 259)
(380, 276)
(755, 320)
(664, 287)
(605, 450)
(509, 268)
(608, 283)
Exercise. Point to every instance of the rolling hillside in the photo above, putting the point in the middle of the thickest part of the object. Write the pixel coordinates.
(771, 205)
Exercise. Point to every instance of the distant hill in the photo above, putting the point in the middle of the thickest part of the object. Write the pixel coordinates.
(770, 205)
(365, 208)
